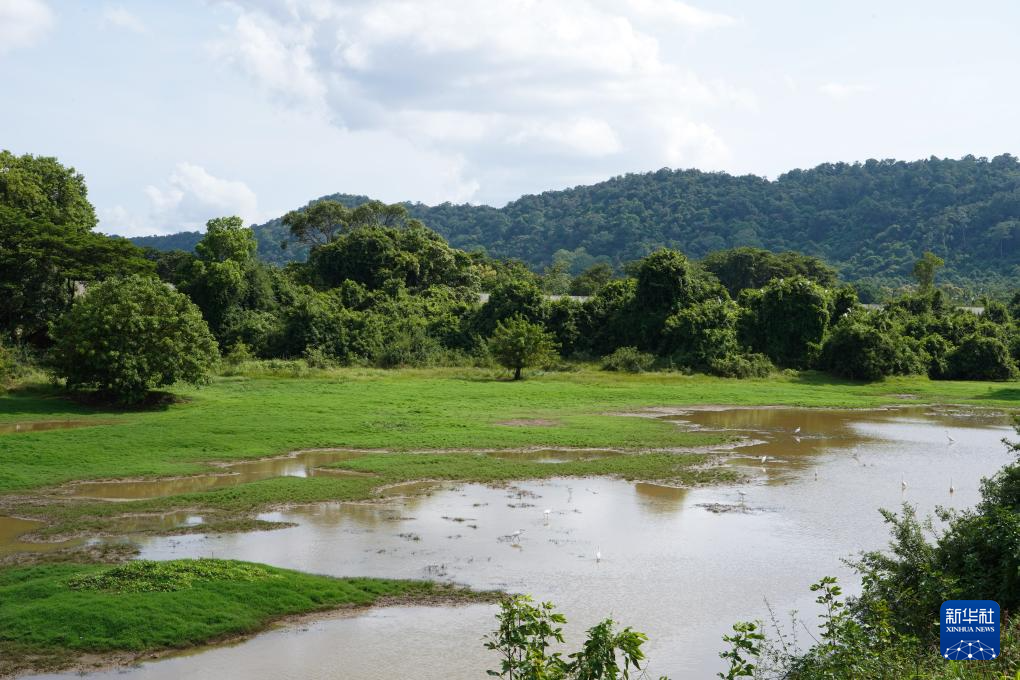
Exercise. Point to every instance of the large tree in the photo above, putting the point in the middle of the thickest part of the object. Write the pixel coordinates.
(128, 336)
(48, 251)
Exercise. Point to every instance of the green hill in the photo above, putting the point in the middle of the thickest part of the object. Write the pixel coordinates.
(869, 220)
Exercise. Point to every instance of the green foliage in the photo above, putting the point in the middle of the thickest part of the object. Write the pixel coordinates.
(591, 280)
(870, 220)
(861, 347)
(747, 365)
(629, 360)
(701, 333)
(745, 646)
(148, 576)
(517, 343)
(129, 336)
(512, 296)
(925, 269)
(526, 632)
(380, 257)
(980, 357)
(226, 238)
(786, 320)
(43, 190)
(742, 268)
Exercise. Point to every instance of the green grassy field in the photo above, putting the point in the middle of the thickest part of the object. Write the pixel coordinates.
(51, 614)
(409, 410)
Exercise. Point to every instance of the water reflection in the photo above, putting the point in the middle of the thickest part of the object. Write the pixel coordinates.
(301, 464)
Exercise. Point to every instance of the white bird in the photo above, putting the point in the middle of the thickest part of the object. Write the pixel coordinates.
(547, 512)
(952, 489)
(516, 536)
(903, 483)
(797, 431)
(949, 437)
(764, 458)
(598, 554)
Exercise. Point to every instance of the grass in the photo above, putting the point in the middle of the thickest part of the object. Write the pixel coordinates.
(51, 614)
(408, 410)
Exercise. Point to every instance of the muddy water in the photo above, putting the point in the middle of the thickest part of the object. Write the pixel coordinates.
(302, 464)
(41, 425)
(670, 566)
(13, 528)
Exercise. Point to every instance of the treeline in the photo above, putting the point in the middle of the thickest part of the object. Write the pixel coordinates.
(380, 288)
(870, 220)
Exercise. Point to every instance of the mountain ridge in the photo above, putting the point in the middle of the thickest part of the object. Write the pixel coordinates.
(871, 220)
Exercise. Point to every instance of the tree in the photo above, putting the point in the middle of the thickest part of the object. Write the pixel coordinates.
(318, 224)
(591, 280)
(786, 320)
(226, 238)
(511, 296)
(925, 269)
(130, 335)
(517, 343)
(48, 250)
(741, 268)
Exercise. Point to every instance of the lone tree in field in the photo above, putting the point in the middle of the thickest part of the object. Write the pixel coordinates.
(517, 343)
(128, 336)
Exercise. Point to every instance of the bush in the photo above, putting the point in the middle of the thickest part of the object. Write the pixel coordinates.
(742, 366)
(129, 336)
(856, 349)
(628, 360)
(980, 358)
(239, 354)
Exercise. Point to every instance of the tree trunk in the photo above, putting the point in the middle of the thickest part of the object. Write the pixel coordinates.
(517, 373)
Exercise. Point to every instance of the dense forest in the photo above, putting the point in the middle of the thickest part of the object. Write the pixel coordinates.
(870, 220)
(381, 288)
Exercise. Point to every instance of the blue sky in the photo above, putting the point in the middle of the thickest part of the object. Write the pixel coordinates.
(178, 112)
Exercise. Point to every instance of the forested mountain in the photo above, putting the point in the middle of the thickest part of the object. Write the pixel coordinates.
(870, 220)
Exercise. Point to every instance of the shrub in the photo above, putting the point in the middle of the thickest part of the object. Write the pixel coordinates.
(742, 366)
(980, 357)
(239, 354)
(856, 349)
(628, 360)
(131, 335)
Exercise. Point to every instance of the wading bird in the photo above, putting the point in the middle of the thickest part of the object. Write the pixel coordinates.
(950, 438)
(903, 483)
(952, 489)
(763, 459)
(797, 431)
(547, 512)
(516, 536)
(598, 554)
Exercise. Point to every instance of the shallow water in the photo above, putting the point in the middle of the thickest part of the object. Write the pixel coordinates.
(42, 425)
(670, 567)
(302, 464)
(13, 528)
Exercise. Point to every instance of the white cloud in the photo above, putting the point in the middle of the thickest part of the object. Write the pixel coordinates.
(186, 201)
(498, 86)
(680, 13)
(842, 91)
(23, 23)
(119, 17)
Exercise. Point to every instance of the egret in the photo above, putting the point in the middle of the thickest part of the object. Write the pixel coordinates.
(598, 554)
(952, 489)
(547, 512)
(797, 431)
(516, 536)
(903, 483)
(763, 459)
(949, 437)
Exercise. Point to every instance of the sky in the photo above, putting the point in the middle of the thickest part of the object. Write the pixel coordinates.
(177, 112)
